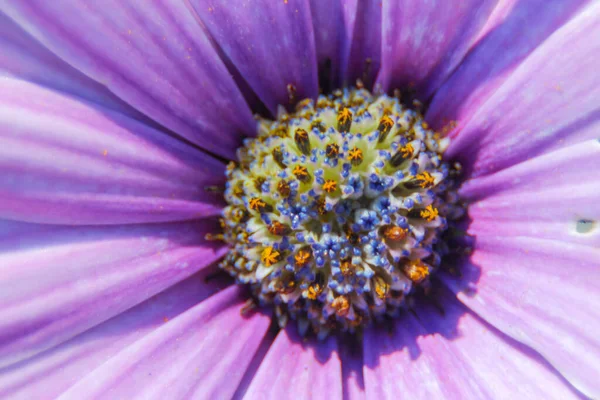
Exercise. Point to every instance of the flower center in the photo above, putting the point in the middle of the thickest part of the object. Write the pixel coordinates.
(335, 212)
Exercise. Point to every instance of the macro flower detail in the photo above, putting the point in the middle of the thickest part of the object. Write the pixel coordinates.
(348, 241)
(307, 199)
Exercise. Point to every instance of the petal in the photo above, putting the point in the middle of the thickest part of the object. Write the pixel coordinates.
(23, 57)
(453, 355)
(553, 196)
(543, 293)
(330, 41)
(270, 43)
(70, 162)
(522, 27)
(364, 30)
(423, 42)
(59, 281)
(305, 369)
(52, 372)
(201, 353)
(550, 100)
(352, 367)
(170, 72)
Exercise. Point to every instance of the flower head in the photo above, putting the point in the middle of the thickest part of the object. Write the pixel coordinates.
(127, 130)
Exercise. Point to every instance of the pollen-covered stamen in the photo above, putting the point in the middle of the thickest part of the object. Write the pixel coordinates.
(332, 150)
(301, 173)
(302, 141)
(355, 156)
(344, 120)
(329, 186)
(336, 211)
(385, 125)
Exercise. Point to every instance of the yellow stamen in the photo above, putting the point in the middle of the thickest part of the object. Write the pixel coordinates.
(283, 188)
(329, 186)
(314, 290)
(332, 150)
(355, 156)
(301, 173)
(394, 233)
(425, 179)
(302, 257)
(257, 204)
(278, 229)
(346, 267)
(416, 270)
(270, 256)
(341, 305)
(429, 213)
(344, 120)
(382, 288)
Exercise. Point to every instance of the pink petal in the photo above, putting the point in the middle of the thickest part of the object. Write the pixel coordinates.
(153, 55)
(271, 43)
(293, 366)
(201, 353)
(553, 196)
(543, 293)
(518, 28)
(423, 42)
(70, 162)
(50, 373)
(23, 57)
(58, 281)
(453, 355)
(550, 100)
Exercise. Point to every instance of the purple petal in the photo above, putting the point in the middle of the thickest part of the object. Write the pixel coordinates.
(304, 369)
(153, 55)
(363, 19)
(270, 43)
(352, 367)
(330, 40)
(453, 355)
(423, 42)
(553, 196)
(519, 29)
(200, 354)
(550, 100)
(52, 372)
(23, 57)
(59, 281)
(69, 162)
(543, 293)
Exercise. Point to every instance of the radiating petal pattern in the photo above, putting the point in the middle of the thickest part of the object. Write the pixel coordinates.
(59, 281)
(52, 372)
(454, 355)
(554, 196)
(423, 42)
(152, 54)
(522, 27)
(71, 162)
(270, 43)
(541, 107)
(306, 369)
(190, 357)
(23, 57)
(543, 293)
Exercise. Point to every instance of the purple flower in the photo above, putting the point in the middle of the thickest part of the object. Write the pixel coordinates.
(116, 116)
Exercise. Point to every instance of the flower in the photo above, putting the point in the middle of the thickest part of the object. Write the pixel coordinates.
(116, 123)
